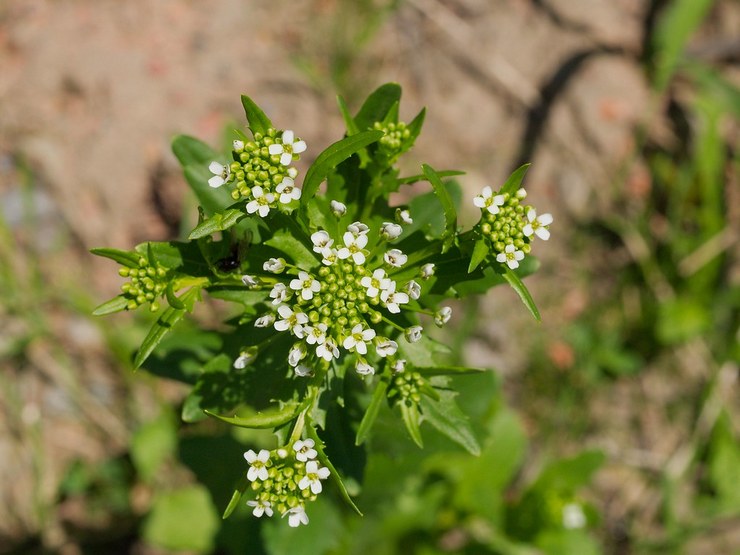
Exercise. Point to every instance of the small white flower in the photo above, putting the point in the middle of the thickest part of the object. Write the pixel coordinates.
(288, 191)
(237, 145)
(302, 371)
(274, 265)
(395, 258)
(399, 366)
(245, 357)
(296, 354)
(413, 334)
(377, 283)
(297, 516)
(221, 174)
(358, 228)
(413, 289)
(282, 452)
(442, 316)
(403, 216)
(306, 284)
(390, 231)
(289, 147)
(521, 194)
(313, 477)
(353, 245)
(537, 225)
(304, 449)
(250, 281)
(393, 298)
(363, 368)
(573, 516)
(488, 201)
(292, 321)
(292, 173)
(329, 256)
(315, 335)
(427, 271)
(358, 338)
(510, 256)
(328, 350)
(386, 347)
(279, 293)
(260, 508)
(257, 462)
(321, 241)
(260, 202)
(264, 321)
(339, 209)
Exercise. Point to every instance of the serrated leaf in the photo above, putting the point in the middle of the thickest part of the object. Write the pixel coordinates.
(333, 155)
(448, 206)
(239, 490)
(125, 258)
(480, 252)
(261, 419)
(116, 304)
(514, 182)
(258, 121)
(371, 413)
(220, 221)
(410, 415)
(377, 105)
(521, 289)
(448, 419)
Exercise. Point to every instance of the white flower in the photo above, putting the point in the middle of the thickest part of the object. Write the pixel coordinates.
(260, 508)
(328, 350)
(292, 173)
(306, 284)
(274, 265)
(279, 293)
(339, 209)
(250, 281)
(288, 148)
(521, 194)
(296, 354)
(413, 289)
(353, 245)
(260, 202)
(304, 449)
(221, 174)
(393, 298)
(257, 462)
(376, 283)
(297, 516)
(403, 216)
(510, 256)
(264, 321)
(363, 368)
(413, 334)
(288, 191)
(488, 201)
(358, 228)
(329, 256)
(386, 347)
(292, 321)
(313, 477)
(302, 371)
(442, 316)
(358, 338)
(390, 231)
(395, 258)
(245, 357)
(237, 145)
(573, 516)
(399, 366)
(537, 225)
(427, 271)
(321, 241)
(315, 335)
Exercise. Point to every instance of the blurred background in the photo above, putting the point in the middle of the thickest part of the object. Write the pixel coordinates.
(611, 427)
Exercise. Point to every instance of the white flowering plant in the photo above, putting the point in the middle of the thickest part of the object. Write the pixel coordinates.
(335, 292)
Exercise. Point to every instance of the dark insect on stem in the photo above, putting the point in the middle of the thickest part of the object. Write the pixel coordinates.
(237, 251)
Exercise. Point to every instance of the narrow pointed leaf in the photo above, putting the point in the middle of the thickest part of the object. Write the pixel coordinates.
(241, 487)
(514, 183)
(444, 414)
(116, 304)
(125, 258)
(263, 419)
(371, 413)
(220, 221)
(410, 416)
(415, 126)
(258, 121)
(480, 251)
(448, 206)
(422, 177)
(521, 289)
(377, 105)
(349, 121)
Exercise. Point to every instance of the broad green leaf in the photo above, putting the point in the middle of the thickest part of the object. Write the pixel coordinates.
(349, 121)
(237, 295)
(186, 258)
(447, 370)
(371, 413)
(195, 156)
(514, 182)
(410, 416)
(518, 285)
(448, 419)
(293, 248)
(333, 155)
(480, 251)
(377, 105)
(448, 206)
(261, 419)
(125, 258)
(239, 490)
(258, 121)
(425, 353)
(164, 325)
(218, 222)
(116, 304)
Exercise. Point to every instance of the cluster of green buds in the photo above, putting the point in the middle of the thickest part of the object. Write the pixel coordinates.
(395, 141)
(407, 388)
(508, 226)
(148, 283)
(285, 479)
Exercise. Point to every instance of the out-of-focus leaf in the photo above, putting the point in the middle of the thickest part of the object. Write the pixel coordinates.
(514, 182)
(239, 490)
(681, 319)
(448, 419)
(448, 206)
(447, 370)
(258, 121)
(195, 157)
(262, 419)
(152, 444)
(218, 222)
(421, 177)
(371, 413)
(349, 121)
(567, 475)
(322, 535)
(377, 105)
(518, 285)
(724, 464)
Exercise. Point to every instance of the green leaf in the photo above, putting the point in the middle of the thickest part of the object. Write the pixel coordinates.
(262, 419)
(152, 444)
(164, 325)
(218, 222)
(448, 370)
(421, 177)
(449, 420)
(410, 415)
(195, 156)
(567, 475)
(349, 121)
(377, 105)
(258, 121)
(125, 258)
(192, 152)
(288, 244)
(186, 258)
(326, 533)
(371, 413)
(448, 206)
(514, 183)
(333, 155)
(415, 126)
(239, 490)
(480, 252)
(116, 304)
(425, 353)
(521, 289)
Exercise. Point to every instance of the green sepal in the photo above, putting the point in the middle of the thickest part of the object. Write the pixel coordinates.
(258, 121)
(518, 285)
(371, 413)
(480, 252)
(377, 105)
(239, 490)
(514, 182)
(448, 206)
(116, 304)
(410, 415)
(125, 258)
(220, 221)
(262, 419)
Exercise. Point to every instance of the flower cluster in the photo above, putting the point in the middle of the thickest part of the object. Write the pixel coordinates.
(261, 171)
(285, 479)
(148, 283)
(406, 388)
(509, 227)
(396, 140)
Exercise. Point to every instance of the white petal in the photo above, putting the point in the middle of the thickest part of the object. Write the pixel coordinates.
(545, 219)
(542, 233)
(275, 149)
(216, 168)
(513, 264)
(288, 137)
(527, 230)
(531, 214)
(359, 258)
(286, 158)
(216, 181)
(480, 202)
(500, 257)
(299, 147)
